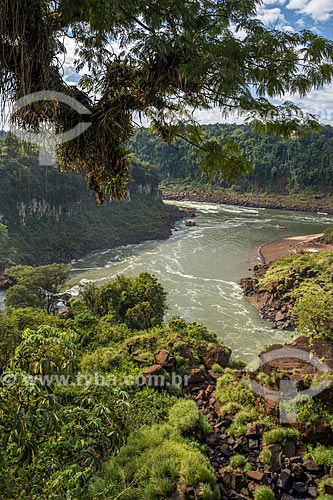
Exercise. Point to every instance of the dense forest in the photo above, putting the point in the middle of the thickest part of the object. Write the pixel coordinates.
(100, 402)
(101, 398)
(279, 165)
(51, 216)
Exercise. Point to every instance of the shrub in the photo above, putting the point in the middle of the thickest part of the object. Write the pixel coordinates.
(321, 455)
(315, 314)
(230, 389)
(149, 407)
(239, 462)
(217, 368)
(152, 462)
(265, 457)
(238, 426)
(328, 235)
(280, 435)
(237, 363)
(230, 408)
(264, 493)
(185, 417)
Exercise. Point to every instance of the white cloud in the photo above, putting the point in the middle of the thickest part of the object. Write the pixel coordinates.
(319, 103)
(214, 115)
(301, 23)
(288, 28)
(273, 2)
(316, 30)
(270, 16)
(319, 10)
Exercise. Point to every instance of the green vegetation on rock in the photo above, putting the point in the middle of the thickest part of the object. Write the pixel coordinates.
(158, 461)
(74, 400)
(280, 435)
(264, 493)
(304, 282)
(321, 455)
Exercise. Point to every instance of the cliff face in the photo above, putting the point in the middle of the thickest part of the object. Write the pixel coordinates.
(52, 217)
(29, 191)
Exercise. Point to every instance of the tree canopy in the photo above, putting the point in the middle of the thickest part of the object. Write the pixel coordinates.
(280, 166)
(7, 253)
(36, 287)
(158, 60)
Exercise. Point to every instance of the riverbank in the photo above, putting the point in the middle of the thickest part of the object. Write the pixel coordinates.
(46, 240)
(278, 284)
(311, 243)
(210, 194)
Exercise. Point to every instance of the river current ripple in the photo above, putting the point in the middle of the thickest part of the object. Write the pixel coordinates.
(200, 268)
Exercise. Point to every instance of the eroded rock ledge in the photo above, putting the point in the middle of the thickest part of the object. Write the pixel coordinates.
(272, 304)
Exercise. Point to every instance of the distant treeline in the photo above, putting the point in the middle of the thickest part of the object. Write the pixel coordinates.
(280, 166)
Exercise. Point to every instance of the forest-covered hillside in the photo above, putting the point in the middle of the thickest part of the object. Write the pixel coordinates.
(280, 166)
(51, 216)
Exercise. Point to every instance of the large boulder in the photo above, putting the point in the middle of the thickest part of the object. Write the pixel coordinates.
(213, 353)
(163, 357)
(154, 376)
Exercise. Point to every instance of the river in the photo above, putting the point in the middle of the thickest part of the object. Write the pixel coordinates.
(200, 267)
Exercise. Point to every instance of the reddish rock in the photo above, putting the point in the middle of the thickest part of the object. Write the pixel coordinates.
(311, 467)
(196, 375)
(215, 375)
(213, 353)
(164, 357)
(255, 475)
(251, 429)
(154, 376)
(188, 354)
(139, 359)
(279, 316)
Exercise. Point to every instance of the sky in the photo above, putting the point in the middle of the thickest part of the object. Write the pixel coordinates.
(291, 15)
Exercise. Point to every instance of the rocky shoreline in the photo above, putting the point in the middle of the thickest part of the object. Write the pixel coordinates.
(227, 197)
(246, 445)
(311, 243)
(271, 304)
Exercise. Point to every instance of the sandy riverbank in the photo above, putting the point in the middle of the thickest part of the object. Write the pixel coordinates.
(293, 244)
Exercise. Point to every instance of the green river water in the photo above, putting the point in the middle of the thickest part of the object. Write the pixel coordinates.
(200, 267)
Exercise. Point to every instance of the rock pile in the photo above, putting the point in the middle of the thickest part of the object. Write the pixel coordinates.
(288, 474)
(270, 302)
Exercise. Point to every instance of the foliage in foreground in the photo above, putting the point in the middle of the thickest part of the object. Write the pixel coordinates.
(65, 407)
(174, 57)
(158, 460)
